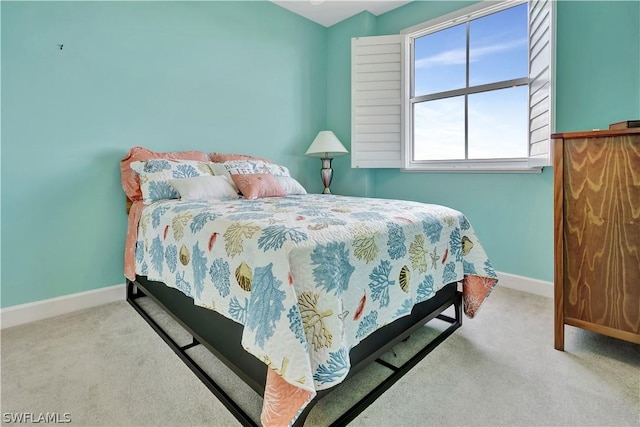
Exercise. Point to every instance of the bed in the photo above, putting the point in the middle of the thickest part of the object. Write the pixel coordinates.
(296, 292)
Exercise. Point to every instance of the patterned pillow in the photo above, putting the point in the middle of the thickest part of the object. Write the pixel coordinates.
(225, 157)
(130, 179)
(278, 170)
(246, 166)
(240, 167)
(155, 175)
(258, 185)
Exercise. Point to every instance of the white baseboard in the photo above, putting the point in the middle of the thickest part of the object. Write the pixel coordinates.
(30, 312)
(525, 284)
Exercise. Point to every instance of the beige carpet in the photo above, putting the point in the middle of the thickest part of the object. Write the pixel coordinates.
(105, 366)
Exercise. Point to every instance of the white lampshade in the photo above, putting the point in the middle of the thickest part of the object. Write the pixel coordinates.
(326, 145)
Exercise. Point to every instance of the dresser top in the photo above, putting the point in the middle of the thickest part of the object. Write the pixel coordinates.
(597, 133)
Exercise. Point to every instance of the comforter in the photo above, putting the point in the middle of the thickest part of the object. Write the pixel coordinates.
(310, 276)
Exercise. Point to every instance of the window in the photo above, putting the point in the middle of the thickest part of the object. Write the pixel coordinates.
(473, 92)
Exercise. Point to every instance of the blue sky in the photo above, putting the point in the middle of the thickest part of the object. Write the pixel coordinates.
(498, 50)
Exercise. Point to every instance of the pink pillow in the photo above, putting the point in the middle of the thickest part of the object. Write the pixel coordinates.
(258, 185)
(130, 180)
(221, 158)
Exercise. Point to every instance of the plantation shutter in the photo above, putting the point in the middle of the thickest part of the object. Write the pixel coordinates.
(541, 36)
(376, 101)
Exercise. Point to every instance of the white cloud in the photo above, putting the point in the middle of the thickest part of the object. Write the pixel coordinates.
(477, 53)
(449, 57)
(458, 56)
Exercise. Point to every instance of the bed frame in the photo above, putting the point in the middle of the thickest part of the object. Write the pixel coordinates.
(223, 340)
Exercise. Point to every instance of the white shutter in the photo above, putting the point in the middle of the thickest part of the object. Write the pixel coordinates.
(376, 101)
(541, 48)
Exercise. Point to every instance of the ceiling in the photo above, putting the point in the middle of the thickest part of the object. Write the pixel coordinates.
(329, 12)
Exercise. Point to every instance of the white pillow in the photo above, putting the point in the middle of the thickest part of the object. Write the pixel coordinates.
(204, 188)
(290, 185)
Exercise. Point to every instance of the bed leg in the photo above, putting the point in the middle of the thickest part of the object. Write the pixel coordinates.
(457, 320)
(132, 291)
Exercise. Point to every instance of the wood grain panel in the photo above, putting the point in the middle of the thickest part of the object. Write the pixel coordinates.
(558, 233)
(601, 231)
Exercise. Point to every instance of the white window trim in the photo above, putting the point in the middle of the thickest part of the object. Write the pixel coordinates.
(374, 137)
(474, 11)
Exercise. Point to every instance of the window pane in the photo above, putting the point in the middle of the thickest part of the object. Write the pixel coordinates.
(498, 48)
(440, 61)
(439, 129)
(498, 123)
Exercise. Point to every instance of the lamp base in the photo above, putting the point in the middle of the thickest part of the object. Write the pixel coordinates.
(327, 174)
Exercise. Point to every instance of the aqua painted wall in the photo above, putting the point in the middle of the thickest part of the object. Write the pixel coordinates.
(227, 76)
(598, 64)
(250, 77)
(598, 82)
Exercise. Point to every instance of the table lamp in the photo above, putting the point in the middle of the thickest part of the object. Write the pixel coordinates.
(326, 146)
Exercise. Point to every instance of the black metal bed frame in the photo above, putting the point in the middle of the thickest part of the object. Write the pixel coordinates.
(197, 322)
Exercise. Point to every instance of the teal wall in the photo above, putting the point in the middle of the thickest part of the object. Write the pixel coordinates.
(246, 77)
(598, 82)
(228, 76)
(598, 64)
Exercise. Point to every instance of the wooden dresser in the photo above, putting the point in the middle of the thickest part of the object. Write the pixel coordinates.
(597, 232)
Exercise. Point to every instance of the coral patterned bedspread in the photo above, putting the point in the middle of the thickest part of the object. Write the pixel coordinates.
(310, 276)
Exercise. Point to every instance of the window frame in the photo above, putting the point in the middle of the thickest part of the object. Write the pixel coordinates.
(460, 16)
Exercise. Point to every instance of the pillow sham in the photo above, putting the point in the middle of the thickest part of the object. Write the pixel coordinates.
(250, 166)
(130, 179)
(258, 185)
(155, 175)
(290, 185)
(278, 170)
(246, 166)
(221, 157)
(204, 188)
